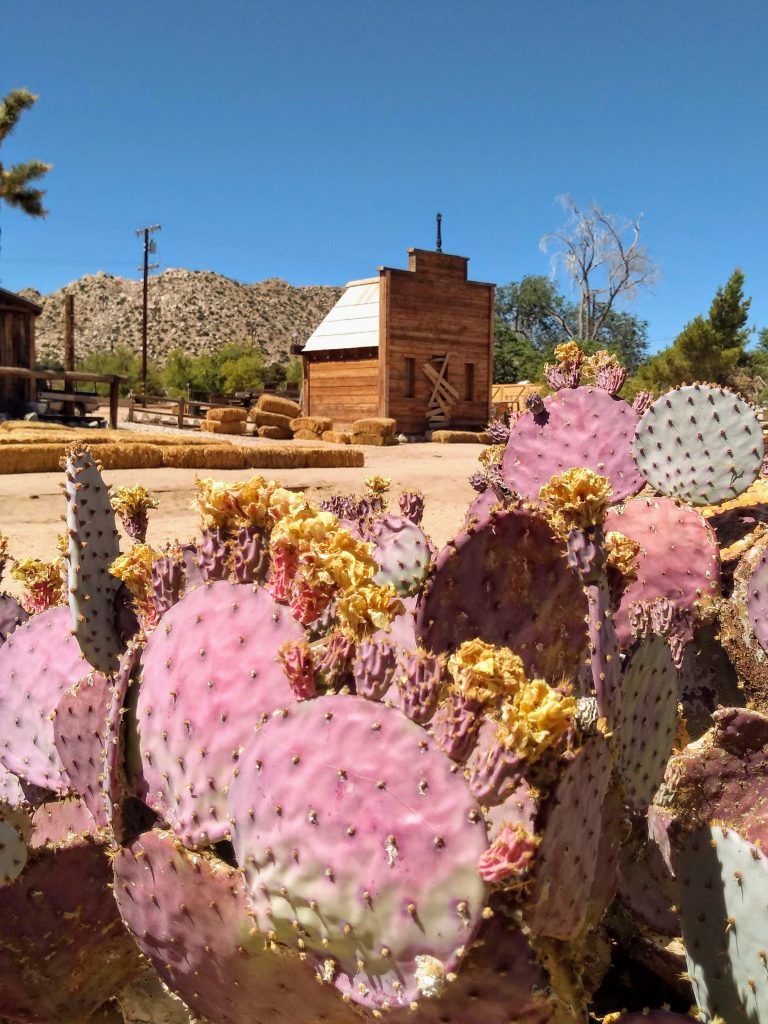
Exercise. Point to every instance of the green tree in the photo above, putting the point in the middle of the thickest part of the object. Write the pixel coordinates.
(16, 188)
(294, 372)
(241, 368)
(125, 363)
(177, 373)
(708, 348)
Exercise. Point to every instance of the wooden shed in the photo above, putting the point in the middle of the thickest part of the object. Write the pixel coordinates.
(415, 345)
(17, 349)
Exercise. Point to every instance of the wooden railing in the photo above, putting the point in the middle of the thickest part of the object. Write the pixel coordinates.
(72, 377)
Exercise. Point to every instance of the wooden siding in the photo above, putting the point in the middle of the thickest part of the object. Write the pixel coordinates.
(342, 385)
(432, 309)
(17, 349)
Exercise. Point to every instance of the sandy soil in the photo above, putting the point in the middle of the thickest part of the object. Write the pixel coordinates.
(31, 505)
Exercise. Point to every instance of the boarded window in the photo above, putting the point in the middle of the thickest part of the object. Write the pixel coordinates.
(469, 382)
(410, 377)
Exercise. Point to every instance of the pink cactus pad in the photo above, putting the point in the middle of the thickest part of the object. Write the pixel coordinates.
(60, 820)
(678, 558)
(79, 729)
(360, 842)
(123, 773)
(63, 949)
(188, 913)
(210, 675)
(508, 583)
(581, 427)
(38, 662)
(570, 828)
(11, 793)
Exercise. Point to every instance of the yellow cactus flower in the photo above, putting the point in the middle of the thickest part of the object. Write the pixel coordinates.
(362, 611)
(43, 583)
(134, 568)
(130, 500)
(485, 673)
(378, 484)
(622, 552)
(535, 720)
(576, 499)
(3, 548)
(492, 455)
(569, 352)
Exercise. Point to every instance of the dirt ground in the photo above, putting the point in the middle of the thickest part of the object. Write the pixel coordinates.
(32, 506)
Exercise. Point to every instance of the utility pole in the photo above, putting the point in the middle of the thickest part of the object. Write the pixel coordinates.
(149, 246)
(69, 332)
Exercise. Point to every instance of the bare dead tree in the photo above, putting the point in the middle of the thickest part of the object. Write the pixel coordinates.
(602, 256)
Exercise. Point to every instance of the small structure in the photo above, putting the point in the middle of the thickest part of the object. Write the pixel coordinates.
(415, 345)
(17, 349)
(511, 397)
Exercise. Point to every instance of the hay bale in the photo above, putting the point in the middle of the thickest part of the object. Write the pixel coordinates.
(296, 457)
(317, 424)
(223, 427)
(210, 456)
(278, 406)
(271, 419)
(32, 458)
(129, 456)
(457, 437)
(274, 433)
(307, 435)
(377, 440)
(380, 426)
(335, 436)
(226, 414)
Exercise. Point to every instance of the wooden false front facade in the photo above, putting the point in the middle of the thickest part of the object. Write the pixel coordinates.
(405, 344)
(17, 349)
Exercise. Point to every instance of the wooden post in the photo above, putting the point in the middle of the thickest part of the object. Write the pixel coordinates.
(69, 333)
(181, 413)
(114, 391)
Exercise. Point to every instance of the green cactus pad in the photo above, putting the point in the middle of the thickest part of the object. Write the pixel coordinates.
(700, 443)
(723, 895)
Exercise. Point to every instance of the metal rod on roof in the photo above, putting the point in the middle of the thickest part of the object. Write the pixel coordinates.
(439, 245)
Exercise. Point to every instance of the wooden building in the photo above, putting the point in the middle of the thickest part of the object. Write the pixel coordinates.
(17, 350)
(415, 345)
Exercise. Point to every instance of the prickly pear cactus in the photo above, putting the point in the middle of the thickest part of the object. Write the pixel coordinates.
(577, 427)
(507, 581)
(188, 913)
(93, 547)
(210, 675)
(701, 443)
(386, 896)
(723, 880)
(403, 551)
(79, 728)
(38, 662)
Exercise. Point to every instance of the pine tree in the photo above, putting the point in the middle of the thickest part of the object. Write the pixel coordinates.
(16, 187)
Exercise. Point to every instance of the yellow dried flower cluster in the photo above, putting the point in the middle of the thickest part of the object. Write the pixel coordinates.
(622, 552)
(134, 568)
(492, 455)
(43, 582)
(569, 352)
(576, 499)
(535, 720)
(257, 502)
(486, 673)
(3, 548)
(378, 484)
(128, 501)
(367, 608)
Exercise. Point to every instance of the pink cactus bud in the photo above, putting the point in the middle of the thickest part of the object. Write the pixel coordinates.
(611, 378)
(309, 600)
(509, 858)
(296, 659)
(375, 664)
(285, 562)
(643, 400)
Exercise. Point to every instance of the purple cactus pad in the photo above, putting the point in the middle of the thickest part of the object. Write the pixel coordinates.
(80, 734)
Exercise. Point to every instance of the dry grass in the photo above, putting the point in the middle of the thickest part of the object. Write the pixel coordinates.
(317, 424)
(275, 433)
(381, 427)
(335, 437)
(226, 414)
(459, 437)
(279, 406)
(271, 419)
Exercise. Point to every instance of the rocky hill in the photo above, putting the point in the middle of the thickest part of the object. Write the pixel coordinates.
(195, 309)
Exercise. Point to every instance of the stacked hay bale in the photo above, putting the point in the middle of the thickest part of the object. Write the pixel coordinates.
(310, 428)
(225, 421)
(272, 416)
(336, 436)
(375, 431)
(460, 437)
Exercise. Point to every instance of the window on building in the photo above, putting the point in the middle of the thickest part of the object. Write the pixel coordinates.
(410, 377)
(469, 382)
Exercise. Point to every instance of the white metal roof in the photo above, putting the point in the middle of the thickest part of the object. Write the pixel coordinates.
(353, 322)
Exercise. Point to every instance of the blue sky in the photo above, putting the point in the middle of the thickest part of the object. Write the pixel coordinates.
(315, 141)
